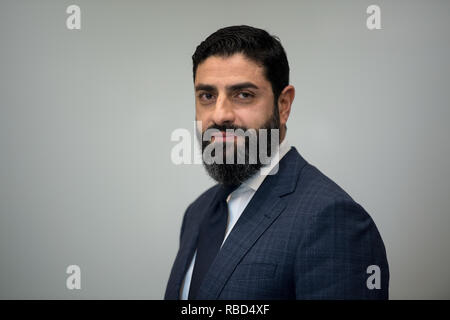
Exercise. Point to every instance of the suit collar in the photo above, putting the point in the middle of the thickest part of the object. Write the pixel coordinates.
(257, 179)
(287, 177)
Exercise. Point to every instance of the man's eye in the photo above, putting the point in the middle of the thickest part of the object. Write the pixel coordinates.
(205, 96)
(245, 95)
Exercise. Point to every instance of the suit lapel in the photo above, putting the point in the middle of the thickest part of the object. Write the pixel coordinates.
(266, 205)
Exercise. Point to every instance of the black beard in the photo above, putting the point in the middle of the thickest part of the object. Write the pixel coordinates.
(236, 173)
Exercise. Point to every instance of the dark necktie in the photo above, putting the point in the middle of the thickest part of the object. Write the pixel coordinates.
(212, 233)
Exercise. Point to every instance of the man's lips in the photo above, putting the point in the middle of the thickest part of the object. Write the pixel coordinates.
(223, 137)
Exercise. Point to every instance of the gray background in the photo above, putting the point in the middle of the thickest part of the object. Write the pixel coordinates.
(86, 118)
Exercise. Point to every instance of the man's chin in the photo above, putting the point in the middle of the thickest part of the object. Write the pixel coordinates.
(231, 174)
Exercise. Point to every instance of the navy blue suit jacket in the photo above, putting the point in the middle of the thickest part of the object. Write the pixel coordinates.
(300, 237)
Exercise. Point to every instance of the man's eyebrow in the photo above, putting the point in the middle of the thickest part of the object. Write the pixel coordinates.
(233, 87)
(205, 87)
(240, 86)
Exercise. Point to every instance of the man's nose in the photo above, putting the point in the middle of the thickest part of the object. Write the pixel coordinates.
(223, 111)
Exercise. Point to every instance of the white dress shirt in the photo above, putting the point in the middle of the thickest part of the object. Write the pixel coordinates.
(237, 202)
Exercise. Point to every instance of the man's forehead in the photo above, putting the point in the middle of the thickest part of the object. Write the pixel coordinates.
(226, 70)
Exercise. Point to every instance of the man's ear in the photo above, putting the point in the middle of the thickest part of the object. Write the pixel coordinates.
(284, 103)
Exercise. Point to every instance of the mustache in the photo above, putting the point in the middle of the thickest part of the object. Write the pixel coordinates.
(223, 128)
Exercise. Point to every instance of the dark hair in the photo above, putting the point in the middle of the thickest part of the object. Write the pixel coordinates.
(254, 43)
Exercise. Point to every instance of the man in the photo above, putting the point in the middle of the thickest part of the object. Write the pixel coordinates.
(287, 233)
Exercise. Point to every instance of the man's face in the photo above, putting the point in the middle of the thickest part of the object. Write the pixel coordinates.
(232, 90)
(233, 93)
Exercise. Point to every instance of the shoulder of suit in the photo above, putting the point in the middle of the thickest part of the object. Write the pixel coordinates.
(208, 194)
(203, 199)
(318, 191)
(319, 199)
